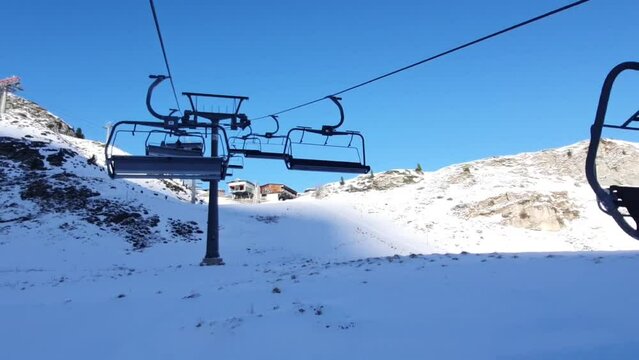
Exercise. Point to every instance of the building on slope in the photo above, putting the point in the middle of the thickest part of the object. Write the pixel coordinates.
(242, 189)
(273, 192)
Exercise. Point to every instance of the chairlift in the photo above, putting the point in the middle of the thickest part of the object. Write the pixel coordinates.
(177, 160)
(252, 144)
(615, 197)
(165, 162)
(296, 138)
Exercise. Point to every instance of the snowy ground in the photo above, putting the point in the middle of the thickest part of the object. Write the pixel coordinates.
(99, 301)
(356, 275)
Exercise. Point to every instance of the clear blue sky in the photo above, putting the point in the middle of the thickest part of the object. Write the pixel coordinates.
(531, 89)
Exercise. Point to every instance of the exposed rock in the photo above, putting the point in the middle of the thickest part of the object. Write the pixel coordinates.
(60, 157)
(186, 230)
(463, 176)
(25, 153)
(26, 110)
(383, 181)
(23, 173)
(528, 210)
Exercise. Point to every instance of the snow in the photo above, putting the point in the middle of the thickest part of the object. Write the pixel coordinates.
(379, 274)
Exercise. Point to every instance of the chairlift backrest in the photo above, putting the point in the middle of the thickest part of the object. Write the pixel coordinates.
(177, 147)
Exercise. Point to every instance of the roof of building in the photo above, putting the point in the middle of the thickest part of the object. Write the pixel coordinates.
(285, 187)
(238, 181)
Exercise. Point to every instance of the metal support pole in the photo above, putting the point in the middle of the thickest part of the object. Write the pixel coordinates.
(193, 191)
(212, 256)
(3, 101)
(108, 127)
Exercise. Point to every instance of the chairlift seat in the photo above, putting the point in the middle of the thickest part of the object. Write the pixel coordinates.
(627, 197)
(327, 166)
(184, 145)
(167, 167)
(155, 150)
(257, 154)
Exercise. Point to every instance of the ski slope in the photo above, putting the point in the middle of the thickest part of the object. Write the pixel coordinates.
(399, 272)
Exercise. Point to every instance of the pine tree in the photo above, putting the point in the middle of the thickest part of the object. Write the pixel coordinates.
(79, 134)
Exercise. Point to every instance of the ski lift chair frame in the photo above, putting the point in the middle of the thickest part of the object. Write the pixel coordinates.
(211, 168)
(244, 139)
(191, 149)
(165, 166)
(306, 164)
(259, 153)
(616, 196)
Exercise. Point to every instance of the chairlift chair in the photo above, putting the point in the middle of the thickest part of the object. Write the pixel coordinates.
(615, 197)
(177, 160)
(240, 144)
(355, 143)
(167, 163)
(260, 153)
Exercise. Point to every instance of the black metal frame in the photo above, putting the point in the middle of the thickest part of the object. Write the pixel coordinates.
(611, 199)
(167, 166)
(259, 153)
(185, 166)
(305, 164)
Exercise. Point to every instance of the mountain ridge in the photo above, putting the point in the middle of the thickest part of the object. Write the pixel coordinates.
(539, 195)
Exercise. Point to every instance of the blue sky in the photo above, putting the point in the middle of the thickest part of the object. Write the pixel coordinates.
(530, 89)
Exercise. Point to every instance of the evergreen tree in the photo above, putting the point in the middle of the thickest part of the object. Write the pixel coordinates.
(79, 134)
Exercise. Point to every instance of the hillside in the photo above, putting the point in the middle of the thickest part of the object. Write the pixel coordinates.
(489, 259)
(541, 199)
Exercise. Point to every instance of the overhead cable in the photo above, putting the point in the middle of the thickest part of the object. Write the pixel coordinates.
(447, 52)
(166, 60)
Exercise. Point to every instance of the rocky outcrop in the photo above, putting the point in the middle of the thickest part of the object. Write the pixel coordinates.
(26, 112)
(528, 210)
(388, 180)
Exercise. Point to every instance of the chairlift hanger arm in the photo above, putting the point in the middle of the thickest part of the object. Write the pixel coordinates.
(331, 128)
(249, 135)
(609, 200)
(269, 135)
(169, 119)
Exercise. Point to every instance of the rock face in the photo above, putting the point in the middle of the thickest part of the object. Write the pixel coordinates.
(48, 175)
(22, 109)
(383, 181)
(528, 210)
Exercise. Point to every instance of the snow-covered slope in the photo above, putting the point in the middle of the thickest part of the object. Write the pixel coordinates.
(107, 269)
(527, 202)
